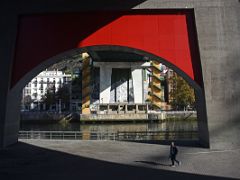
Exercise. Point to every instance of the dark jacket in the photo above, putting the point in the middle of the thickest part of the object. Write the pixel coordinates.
(173, 150)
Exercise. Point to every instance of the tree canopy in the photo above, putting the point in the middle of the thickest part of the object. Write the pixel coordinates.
(182, 95)
(51, 97)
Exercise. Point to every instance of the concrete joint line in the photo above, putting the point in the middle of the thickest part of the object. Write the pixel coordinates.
(217, 151)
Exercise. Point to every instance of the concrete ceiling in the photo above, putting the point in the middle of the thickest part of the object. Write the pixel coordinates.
(116, 56)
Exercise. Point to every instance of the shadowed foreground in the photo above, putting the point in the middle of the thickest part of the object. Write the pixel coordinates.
(25, 160)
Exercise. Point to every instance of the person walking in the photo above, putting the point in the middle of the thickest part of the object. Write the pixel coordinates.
(173, 154)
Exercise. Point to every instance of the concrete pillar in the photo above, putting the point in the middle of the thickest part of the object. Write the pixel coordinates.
(126, 108)
(137, 108)
(108, 109)
(9, 108)
(137, 85)
(219, 49)
(86, 83)
(118, 110)
(12, 122)
(105, 84)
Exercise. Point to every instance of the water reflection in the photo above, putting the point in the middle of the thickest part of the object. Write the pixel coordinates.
(168, 125)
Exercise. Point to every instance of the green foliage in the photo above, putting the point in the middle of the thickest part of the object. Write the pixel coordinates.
(51, 97)
(182, 94)
(63, 94)
(68, 64)
(77, 88)
(27, 100)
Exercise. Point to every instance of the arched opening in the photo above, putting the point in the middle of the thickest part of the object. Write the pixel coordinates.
(96, 52)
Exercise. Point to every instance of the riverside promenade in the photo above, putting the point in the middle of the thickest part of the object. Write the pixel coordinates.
(52, 159)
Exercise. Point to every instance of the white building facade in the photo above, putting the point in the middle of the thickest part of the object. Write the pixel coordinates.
(135, 85)
(35, 90)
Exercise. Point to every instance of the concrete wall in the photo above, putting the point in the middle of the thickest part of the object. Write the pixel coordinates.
(137, 85)
(220, 54)
(105, 84)
(105, 79)
(8, 123)
(218, 30)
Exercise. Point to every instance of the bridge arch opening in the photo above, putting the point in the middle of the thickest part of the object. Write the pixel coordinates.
(93, 51)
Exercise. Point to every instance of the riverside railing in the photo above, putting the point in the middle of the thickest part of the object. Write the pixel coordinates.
(120, 136)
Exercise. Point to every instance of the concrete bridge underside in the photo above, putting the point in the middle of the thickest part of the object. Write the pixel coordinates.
(218, 33)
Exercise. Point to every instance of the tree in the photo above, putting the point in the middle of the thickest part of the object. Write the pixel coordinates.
(49, 98)
(63, 95)
(182, 95)
(77, 88)
(27, 100)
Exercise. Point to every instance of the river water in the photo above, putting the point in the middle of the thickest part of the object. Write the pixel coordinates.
(164, 130)
(167, 125)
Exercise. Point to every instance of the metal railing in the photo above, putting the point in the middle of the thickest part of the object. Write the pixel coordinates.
(121, 136)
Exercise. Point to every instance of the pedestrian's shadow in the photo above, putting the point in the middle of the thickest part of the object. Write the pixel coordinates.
(153, 163)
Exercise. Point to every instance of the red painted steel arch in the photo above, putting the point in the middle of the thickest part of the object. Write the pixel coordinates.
(168, 34)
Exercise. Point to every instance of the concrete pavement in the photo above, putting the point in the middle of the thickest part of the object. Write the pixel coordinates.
(48, 159)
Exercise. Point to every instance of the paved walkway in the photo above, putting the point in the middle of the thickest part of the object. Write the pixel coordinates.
(48, 159)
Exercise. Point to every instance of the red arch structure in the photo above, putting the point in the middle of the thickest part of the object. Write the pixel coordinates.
(169, 34)
(43, 39)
